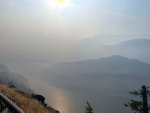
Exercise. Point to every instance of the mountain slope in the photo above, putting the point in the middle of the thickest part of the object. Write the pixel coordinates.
(114, 65)
(24, 101)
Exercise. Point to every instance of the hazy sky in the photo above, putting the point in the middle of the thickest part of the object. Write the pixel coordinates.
(37, 33)
(45, 30)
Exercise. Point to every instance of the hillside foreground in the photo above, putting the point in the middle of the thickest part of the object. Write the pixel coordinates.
(24, 101)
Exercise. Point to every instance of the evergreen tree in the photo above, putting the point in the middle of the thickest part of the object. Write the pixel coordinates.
(142, 105)
(88, 108)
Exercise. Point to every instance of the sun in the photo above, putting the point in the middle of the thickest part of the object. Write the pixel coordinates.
(61, 1)
(59, 4)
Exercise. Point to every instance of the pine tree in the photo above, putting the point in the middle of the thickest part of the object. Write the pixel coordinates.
(142, 105)
(88, 108)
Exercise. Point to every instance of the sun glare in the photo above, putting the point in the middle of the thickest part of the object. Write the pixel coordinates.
(61, 1)
(59, 4)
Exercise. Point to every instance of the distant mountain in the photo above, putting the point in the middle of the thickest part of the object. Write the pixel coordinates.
(13, 79)
(110, 67)
(136, 43)
(105, 81)
(137, 48)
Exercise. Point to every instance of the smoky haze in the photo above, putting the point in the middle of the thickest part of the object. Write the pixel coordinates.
(37, 35)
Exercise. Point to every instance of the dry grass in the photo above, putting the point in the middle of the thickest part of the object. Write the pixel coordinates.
(23, 101)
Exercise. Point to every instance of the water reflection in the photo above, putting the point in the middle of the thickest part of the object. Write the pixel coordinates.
(56, 97)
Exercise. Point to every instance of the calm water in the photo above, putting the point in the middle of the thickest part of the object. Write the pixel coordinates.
(73, 100)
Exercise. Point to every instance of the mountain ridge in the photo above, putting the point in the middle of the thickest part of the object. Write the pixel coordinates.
(114, 65)
(136, 48)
